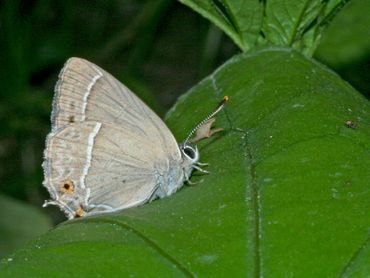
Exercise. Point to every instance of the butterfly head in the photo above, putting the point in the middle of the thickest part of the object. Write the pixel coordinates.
(189, 153)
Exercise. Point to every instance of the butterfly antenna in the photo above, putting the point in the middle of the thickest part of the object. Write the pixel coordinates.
(211, 115)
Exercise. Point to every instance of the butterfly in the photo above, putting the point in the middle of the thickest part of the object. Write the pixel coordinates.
(107, 150)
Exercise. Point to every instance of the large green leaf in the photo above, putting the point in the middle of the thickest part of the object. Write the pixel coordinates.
(251, 23)
(287, 196)
(347, 39)
(241, 20)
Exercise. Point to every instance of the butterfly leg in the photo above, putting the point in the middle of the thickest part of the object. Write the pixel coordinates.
(201, 164)
(190, 182)
(200, 169)
(194, 183)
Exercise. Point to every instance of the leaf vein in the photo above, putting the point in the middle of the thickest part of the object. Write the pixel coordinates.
(356, 254)
(147, 240)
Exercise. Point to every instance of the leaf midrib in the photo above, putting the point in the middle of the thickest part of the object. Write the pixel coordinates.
(255, 198)
(256, 205)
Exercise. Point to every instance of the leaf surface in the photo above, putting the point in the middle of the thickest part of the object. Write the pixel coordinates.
(287, 195)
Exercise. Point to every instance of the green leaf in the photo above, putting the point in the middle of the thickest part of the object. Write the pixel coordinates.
(241, 20)
(19, 223)
(253, 23)
(347, 39)
(287, 195)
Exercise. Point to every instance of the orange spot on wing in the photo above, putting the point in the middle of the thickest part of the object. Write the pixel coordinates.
(79, 212)
(67, 186)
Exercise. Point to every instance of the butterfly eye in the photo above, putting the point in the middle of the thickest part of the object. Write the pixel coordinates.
(190, 152)
(67, 186)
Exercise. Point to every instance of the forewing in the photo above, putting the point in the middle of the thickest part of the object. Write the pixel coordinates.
(85, 92)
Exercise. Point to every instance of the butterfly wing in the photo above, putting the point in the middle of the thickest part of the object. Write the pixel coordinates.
(107, 150)
(107, 166)
(85, 92)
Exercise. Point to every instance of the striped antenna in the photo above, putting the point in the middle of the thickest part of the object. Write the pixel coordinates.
(211, 115)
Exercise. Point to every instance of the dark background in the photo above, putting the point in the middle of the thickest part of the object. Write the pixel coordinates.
(158, 48)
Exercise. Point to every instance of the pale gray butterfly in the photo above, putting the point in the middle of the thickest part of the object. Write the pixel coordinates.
(107, 150)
